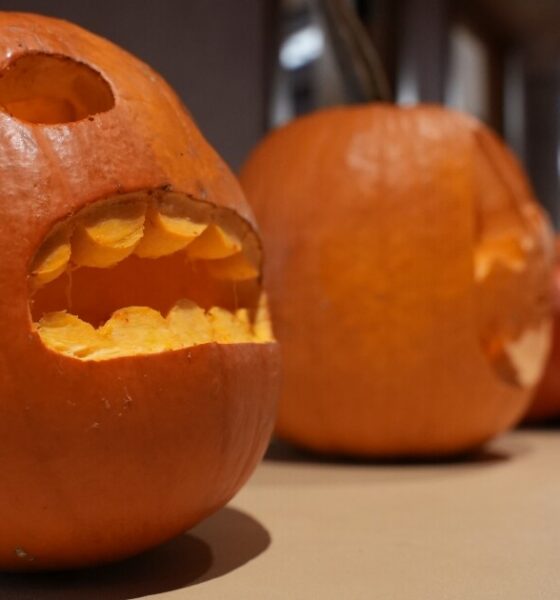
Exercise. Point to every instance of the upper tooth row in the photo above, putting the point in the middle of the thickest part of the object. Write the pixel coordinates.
(107, 235)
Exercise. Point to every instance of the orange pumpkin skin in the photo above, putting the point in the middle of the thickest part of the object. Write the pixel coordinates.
(546, 404)
(101, 460)
(372, 218)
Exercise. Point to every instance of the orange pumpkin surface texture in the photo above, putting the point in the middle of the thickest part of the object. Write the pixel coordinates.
(408, 273)
(137, 366)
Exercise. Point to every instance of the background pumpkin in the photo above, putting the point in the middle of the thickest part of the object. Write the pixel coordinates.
(117, 433)
(409, 277)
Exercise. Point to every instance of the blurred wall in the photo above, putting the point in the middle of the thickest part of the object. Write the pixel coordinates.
(497, 59)
(541, 71)
(210, 51)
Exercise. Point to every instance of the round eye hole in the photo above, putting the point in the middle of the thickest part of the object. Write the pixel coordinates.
(49, 89)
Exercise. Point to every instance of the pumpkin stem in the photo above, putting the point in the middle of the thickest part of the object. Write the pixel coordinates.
(358, 58)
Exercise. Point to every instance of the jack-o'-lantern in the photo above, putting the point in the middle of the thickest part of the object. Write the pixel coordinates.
(137, 364)
(408, 274)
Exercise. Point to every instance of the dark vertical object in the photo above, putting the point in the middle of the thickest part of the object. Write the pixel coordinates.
(514, 107)
(271, 49)
(211, 52)
(542, 128)
(358, 59)
(381, 19)
(496, 86)
(326, 58)
(423, 48)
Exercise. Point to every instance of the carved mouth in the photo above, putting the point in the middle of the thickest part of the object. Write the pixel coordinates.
(147, 272)
(516, 341)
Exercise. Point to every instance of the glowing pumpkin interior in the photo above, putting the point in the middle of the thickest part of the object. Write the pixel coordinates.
(512, 312)
(147, 272)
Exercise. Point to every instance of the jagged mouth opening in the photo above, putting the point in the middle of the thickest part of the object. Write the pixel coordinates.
(147, 272)
(516, 342)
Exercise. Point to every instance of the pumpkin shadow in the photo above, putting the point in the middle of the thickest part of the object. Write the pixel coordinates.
(220, 544)
(286, 464)
(551, 424)
(496, 452)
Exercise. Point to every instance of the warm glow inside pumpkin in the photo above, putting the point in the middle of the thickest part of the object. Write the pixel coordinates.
(147, 272)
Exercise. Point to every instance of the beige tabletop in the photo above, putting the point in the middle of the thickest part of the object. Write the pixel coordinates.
(484, 528)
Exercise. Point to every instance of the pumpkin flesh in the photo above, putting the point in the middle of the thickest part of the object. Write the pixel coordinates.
(96, 293)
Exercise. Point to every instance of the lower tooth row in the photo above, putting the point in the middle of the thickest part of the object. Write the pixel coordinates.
(142, 330)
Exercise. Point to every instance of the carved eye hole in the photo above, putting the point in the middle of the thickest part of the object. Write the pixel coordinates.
(49, 89)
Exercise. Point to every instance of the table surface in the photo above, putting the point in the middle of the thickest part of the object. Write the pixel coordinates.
(483, 528)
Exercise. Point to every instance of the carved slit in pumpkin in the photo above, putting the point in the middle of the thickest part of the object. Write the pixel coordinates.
(515, 344)
(144, 273)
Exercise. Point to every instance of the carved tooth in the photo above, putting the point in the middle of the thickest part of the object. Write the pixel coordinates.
(168, 229)
(189, 323)
(243, 322)
(528, 353)
(69, 335)
(213, 243)
(139, 330)
(228, 328)
(108, 235)
(234, 268)
(51, 260)
(262, 327)
(507, 251)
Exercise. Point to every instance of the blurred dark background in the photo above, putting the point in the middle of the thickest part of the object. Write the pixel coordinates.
(243, 66)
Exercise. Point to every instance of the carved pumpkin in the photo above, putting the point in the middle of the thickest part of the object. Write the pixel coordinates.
(408, 268)
(546, 404)
(137, 364)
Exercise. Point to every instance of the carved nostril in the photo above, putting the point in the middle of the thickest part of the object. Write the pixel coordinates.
(50, 89)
